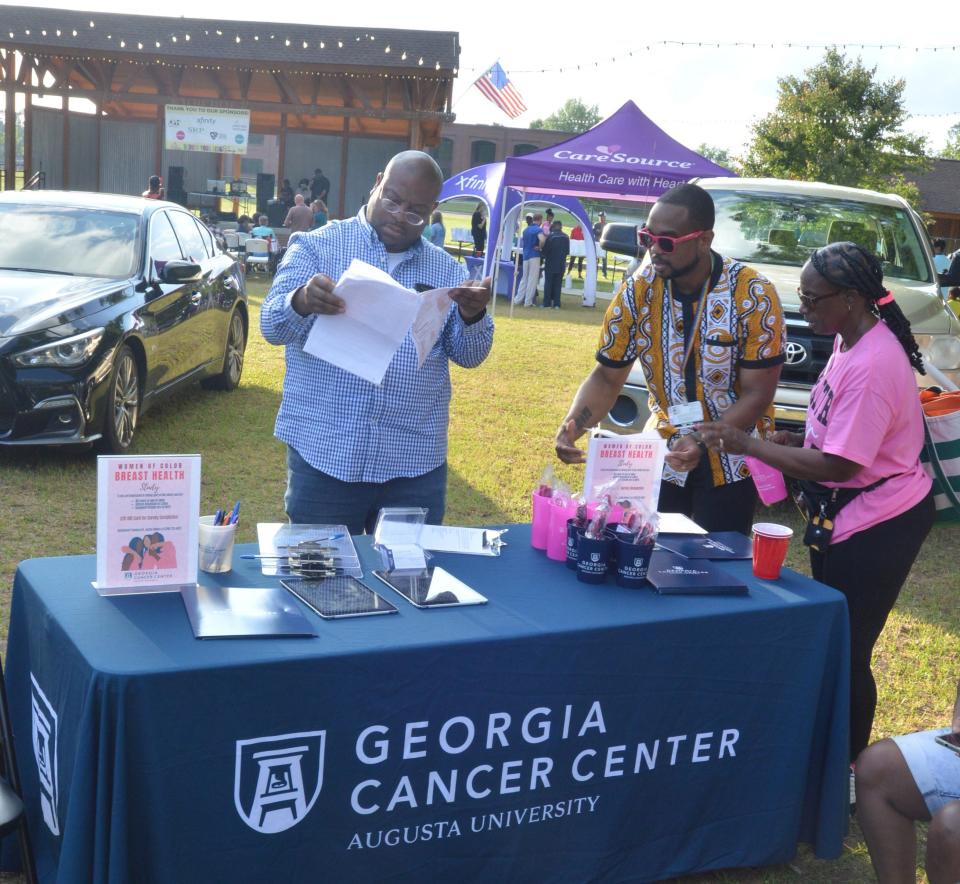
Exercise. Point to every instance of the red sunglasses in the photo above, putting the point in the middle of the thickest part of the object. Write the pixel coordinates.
(664, 243)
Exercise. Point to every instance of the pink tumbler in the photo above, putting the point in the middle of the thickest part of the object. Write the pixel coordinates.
(560, 514)
(769, 481)
(540, 522)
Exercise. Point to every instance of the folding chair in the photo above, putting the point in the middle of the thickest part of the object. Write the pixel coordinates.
(258, 254)
(11, 804)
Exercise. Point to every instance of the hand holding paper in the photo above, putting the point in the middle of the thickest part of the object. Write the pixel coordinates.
(377, 314)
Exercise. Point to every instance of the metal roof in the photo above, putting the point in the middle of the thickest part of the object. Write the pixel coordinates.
(232, 43)
(940, 187)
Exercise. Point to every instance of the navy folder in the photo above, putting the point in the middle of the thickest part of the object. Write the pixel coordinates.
(670, 574)
(716, 545)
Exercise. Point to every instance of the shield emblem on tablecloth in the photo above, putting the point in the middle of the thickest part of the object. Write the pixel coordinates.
(278, 779)
(44, 738)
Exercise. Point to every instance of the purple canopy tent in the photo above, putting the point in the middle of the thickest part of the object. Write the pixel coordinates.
(625, 157)
(485, 183)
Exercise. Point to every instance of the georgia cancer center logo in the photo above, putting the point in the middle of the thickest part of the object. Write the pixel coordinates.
(278, 779)
(44, 739)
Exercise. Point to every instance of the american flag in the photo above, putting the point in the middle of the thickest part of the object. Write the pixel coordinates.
(497, 87)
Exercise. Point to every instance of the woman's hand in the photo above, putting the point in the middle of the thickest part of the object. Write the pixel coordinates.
(789, 438)
(719, 436)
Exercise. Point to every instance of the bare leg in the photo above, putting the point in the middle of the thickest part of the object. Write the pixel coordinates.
(943, 845)
(888, 802)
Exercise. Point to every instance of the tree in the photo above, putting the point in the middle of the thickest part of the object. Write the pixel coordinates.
(837, 124)
(574, 116)
(952, 149)
(720, 156)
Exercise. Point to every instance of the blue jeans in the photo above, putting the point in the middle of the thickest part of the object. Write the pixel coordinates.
(314, 498)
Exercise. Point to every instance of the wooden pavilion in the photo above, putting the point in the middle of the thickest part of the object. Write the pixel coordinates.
(343, 99)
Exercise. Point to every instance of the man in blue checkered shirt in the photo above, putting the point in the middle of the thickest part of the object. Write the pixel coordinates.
(352, 446)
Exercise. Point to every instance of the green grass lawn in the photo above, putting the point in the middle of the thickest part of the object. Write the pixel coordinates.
(503, 418)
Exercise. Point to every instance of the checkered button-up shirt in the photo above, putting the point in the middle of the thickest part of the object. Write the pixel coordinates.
(345, 426)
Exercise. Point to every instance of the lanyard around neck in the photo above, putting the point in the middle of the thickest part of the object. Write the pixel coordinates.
(696, 321)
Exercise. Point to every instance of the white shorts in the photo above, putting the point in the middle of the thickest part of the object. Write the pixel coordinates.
(934, 768)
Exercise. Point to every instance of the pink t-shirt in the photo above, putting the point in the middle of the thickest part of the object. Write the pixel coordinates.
(865, 407)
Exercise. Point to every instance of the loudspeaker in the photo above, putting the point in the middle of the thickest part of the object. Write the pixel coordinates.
(276, 213)
(266, 184)
(175, 190)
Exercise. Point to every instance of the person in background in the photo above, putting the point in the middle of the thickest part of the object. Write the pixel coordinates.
(299, 218)
(320, 214)
(285, 194)
(478, 230)
(576, 235)
(555, 252)
(905, 779)
(710, 337)
(532, 241)
(438, 233)
(262, 230)
(244, 224)
(953, 301)
(303, 188)
(354, 446)
(319, 186)
(547, 225)
(863, 436)
(598, 226)
(154, 189)
(941, 261)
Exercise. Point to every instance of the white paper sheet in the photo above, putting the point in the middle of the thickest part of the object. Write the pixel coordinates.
(445, 538)
(365, 338)
(431, 315)
(678, 523)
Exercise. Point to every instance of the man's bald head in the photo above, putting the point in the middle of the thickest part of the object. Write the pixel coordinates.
(418, 163)
(407, 188)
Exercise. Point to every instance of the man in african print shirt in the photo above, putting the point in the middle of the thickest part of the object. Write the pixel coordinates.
(710, 337)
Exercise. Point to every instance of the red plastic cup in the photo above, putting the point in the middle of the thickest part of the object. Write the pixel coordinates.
(770, 542)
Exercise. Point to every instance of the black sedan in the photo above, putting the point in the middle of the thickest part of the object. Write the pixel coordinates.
(106, 304)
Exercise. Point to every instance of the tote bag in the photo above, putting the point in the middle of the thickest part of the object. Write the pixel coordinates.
(941, 452)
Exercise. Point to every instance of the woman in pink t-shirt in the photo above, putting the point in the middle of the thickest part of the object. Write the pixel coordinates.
(864, 431)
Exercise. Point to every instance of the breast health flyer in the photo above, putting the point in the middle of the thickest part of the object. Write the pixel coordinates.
(148, 511)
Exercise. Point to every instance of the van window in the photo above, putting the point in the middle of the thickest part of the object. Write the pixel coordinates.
(776, 228)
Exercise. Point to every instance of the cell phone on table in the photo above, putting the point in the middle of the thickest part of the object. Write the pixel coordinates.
(951, 741)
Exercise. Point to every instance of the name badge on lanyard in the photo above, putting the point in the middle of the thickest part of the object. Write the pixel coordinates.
(686, 415)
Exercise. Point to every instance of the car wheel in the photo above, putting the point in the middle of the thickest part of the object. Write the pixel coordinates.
(123, 403)
(229, 377)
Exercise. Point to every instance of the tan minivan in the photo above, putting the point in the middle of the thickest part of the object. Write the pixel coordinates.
(773, 226)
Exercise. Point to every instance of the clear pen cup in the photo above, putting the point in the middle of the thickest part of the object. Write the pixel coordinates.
(216, 546)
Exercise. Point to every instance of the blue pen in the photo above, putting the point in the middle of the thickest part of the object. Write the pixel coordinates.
(234, 514)
(218, 517)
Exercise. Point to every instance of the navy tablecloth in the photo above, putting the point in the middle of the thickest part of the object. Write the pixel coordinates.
(563, 732)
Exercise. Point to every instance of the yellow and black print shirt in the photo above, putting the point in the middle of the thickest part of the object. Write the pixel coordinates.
(741, 325)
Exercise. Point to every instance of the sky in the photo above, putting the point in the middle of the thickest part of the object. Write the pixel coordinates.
(696, 93)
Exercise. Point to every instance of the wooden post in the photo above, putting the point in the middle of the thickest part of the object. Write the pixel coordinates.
(161, 138)
(66, 142)
(10, 126)
(98, 109)
(282, 147)
(344, 152)
(27, 136)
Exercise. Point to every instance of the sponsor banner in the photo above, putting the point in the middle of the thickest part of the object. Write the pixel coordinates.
(207, 129)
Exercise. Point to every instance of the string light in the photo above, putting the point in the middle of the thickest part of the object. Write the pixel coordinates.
(237, 39)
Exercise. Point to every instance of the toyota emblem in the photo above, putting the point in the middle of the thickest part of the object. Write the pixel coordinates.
(795, 353)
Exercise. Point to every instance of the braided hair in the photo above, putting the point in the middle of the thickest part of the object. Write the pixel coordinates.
(850, 266)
